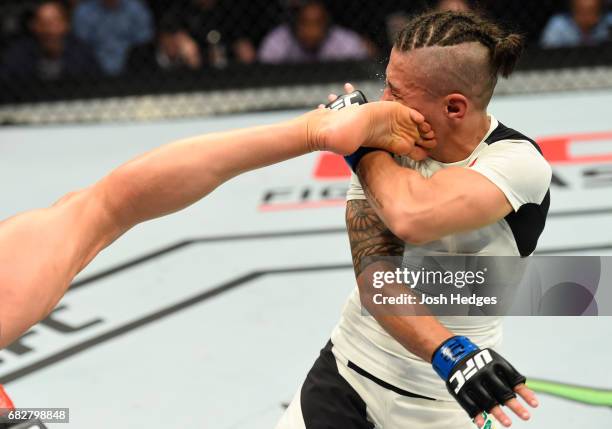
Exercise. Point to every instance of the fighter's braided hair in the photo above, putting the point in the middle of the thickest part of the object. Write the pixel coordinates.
(454, 28)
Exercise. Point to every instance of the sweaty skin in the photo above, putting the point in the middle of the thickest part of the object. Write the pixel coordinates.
(41, 251)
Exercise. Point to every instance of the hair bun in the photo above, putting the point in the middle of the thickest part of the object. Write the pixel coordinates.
(507, 52)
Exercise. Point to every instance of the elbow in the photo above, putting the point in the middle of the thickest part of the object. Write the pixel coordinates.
(116, 197)
(410, 225)
(366, 292)
(413, 235)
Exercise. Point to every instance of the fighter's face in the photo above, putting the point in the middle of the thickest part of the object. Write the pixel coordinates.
(404, 87)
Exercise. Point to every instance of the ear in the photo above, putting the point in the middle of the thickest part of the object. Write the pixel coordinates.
(456, 106)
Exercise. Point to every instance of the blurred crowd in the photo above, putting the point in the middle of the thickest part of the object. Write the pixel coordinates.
(53, 39)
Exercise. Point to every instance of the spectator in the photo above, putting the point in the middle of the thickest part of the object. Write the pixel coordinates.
(453, 5)
(587, 24)
(311, 36)
(376, 22)
(174, 50)
(112, 28)
(215, 27)
(49, 52)
(526, 18)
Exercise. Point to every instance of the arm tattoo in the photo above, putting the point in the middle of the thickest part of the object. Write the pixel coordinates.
(368, 235)
(372, 197)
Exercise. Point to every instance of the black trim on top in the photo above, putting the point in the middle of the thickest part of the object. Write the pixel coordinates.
(527, 223)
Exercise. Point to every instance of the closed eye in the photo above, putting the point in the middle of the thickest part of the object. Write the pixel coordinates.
(394, 92)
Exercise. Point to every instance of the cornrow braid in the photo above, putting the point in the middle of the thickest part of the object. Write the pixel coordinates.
(454, 28)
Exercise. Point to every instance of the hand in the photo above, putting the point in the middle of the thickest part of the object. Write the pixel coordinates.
(481, 380)
(427, 136)
(383, 125)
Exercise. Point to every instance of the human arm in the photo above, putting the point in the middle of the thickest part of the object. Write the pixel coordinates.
(557, 33)
(41, 251)
(503, 177)
(373, 247)
(420, 210)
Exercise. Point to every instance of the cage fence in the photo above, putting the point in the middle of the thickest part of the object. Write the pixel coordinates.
(126, 60)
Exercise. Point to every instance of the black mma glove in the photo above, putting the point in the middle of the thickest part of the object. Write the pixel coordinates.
(352, 99)
(477, 379)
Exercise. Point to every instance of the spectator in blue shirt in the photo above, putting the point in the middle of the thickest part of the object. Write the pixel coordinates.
(49, 52)
(587, 24)
(113, 28)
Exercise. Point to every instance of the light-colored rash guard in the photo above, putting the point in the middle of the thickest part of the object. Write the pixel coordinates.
(515, 165)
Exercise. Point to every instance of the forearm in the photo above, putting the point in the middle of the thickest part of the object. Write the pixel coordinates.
(410, 324)
(375, 248)
(177, 175)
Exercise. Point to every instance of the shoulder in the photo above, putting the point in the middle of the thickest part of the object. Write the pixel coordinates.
(560, 20)
(277, 37)
(515, 163)
(135, 6)
(344, 34)
(502, 132)
(85, 7)
(504, 139)
(522, 162)
(281, 31)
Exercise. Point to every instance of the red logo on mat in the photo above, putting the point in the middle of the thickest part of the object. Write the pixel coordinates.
(557, 150)
(5, 401)
(578, 148)
(331, 166)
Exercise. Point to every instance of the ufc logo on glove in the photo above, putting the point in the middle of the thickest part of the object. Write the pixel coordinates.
(472, 366)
